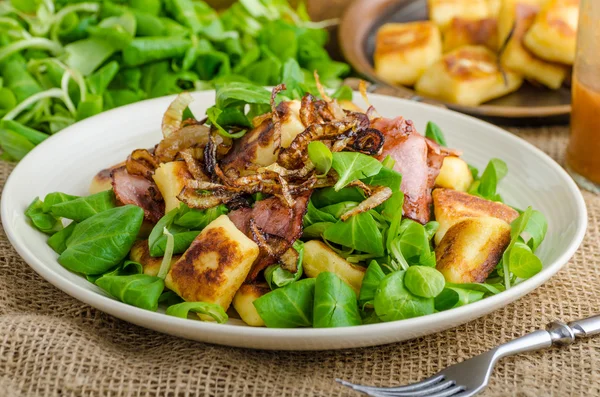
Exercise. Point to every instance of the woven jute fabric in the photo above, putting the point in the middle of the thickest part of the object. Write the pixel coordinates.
(54, 345)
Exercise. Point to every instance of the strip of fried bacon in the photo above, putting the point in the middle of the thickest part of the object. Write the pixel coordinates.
(273, 226)
(417, 158)
(137, 190)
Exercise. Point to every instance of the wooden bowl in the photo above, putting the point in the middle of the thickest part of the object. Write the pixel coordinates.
(529, 105)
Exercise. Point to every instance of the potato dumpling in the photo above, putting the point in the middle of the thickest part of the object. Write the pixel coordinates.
(553, 35)
(507, 15)
(140, 252)
(454, 174)
(102, 180)
(170, 179)
(516, 56)
(443, 11)
(243, 302)
(463, 32)
(494, 7)
(318, 258)
(291, 125)
(467, 76)
(451, 206)
(258, 145)
(471, 249)
(403, 51)
(216, 264)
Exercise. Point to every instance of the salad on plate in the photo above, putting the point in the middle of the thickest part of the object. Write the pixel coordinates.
(293, 207)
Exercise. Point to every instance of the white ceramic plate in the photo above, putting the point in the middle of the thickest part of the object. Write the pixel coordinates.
(66, 162)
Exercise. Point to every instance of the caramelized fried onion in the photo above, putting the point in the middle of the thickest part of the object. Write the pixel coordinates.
(184, 138)
(194, 198)
(368, 142)
(173, 117)
(275, 118)
(193, 165)
(289, 260)
(378, 197)
(295, 155)
(141, 162)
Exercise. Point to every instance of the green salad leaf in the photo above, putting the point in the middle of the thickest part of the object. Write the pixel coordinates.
(519, 258)
(351, 166)
(328, 196)
(487, 185)
(43, 221)
(434, 132)
(359, 232)
(385, 177)
(213, 310)
(138, 290)
(102, 241)
(452, 297)
(321, 156)
(184, 224)
(370, 283)
(393, 301)
(424, 281)
(288, 307)
(335, 303)
(81, 208)
(58, 241)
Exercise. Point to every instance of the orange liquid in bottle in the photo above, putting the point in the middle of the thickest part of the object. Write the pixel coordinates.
(583, 153)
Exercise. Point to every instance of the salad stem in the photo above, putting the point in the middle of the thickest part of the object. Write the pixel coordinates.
(51, 93)
(36, 42)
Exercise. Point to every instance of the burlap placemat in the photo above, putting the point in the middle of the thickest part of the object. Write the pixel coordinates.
(52, 344)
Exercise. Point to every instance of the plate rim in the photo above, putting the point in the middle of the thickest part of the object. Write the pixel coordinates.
(143, 317)
(348, 35)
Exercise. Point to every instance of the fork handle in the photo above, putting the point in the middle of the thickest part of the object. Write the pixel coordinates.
(586, 327)
(556, 333)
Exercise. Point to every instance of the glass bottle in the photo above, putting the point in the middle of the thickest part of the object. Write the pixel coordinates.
(583, 153)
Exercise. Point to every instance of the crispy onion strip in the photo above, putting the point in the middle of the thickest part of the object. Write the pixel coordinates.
(379, 196)
(362, 88)
(172, 118)
(210, 154)
(295, 154)
(362, 186)
(141, 162)
(320, 87)
(203, 185)
(369, 142)
(193, 135)
(275, 118)
(289, 260)
(299, 173)
(307, 110)
(195, 199)
(192, 165)
(274, 246)
(285, 191)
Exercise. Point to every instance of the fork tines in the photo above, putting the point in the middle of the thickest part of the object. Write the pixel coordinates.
(435, 386)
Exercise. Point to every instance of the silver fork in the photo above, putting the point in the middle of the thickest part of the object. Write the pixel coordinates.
(472, 376)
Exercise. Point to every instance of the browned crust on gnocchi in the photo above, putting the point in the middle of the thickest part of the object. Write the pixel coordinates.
(455, 204)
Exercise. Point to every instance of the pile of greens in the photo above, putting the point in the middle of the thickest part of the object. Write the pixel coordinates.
(62, 61)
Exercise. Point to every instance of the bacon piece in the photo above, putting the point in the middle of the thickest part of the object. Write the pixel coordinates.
(276, 221)
(417, 158)
(137, 190)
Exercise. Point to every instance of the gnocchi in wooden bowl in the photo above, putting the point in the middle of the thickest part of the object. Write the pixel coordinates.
(508, 59)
